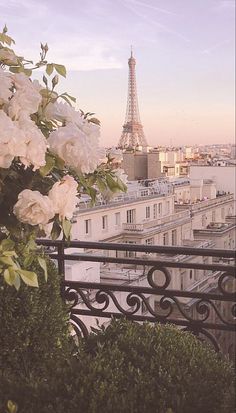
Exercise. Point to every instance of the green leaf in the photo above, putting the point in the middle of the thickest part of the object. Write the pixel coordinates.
(7, 245)
(66, 99)
(93, 193)
(7, 261)
(50, 163)
(6, 39)
(101, 185)
(121, 185)
(28, 260)
(111, 183)
(60, 69)
(12, 407)
(16, 69)
(70, 97)
(59, 163)
(56, 230)
(49, 69)
(43, 265)
(29, 277)
(95, 120)
(27, 72)
(12, 278)
(66, 226)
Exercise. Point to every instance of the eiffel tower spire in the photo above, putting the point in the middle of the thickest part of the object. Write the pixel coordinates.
(132, 134)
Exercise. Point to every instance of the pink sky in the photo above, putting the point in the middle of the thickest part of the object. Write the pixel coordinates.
(185, 61)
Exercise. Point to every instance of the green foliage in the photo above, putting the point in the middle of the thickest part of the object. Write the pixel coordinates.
(126, 368)
(152, 368)
(33, 325)
(10, 266)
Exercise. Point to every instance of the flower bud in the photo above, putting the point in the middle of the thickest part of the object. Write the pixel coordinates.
(55, 80)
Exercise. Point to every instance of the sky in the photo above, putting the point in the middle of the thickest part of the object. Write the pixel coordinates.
(184, 51)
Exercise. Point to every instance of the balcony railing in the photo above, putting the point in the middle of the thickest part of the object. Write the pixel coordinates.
(198, 206)
(157, 222)
(208, 311)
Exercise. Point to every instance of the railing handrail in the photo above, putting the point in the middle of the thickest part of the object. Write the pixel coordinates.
(204, 309)
(210, 252)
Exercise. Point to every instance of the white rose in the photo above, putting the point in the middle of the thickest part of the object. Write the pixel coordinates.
(8, 57)
(64, 197)
(120, 173)
(90, 129)
(12, 142)
(35, 141)
(116, 155)
(78, 150)
(33, 208)
(63, 113)
(26, 99)
(6, 84)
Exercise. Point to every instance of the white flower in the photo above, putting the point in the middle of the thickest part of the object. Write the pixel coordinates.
(64, 197)
(26, 99)
(78, 150)
(33, 208)
(5, 85)
(63, 113)
(116, 155)
(120, 174)
(8, 57)
(37, 86)
(12, 142)
(35, 142)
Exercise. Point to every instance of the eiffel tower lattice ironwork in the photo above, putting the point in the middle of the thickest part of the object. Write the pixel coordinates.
(132, 134)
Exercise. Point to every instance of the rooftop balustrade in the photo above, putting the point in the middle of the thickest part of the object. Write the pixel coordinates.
(207, 308)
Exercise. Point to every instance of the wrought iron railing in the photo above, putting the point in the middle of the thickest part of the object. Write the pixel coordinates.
(158, 288)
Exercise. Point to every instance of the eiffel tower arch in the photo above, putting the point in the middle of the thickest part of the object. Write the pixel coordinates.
(132, 134)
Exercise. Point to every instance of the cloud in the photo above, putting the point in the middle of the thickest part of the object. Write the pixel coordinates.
(82, 54)
(214, 47)
(152, 7)
(222, 5)
(22, 9)
(164, 28)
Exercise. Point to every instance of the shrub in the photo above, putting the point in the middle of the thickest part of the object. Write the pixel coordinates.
(33, 325)
(152, 368)
(131, 368)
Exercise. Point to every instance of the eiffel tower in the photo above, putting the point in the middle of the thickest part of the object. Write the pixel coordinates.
(132, 134)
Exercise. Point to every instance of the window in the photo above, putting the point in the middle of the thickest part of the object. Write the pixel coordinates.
(87, 223)
(213, 216)
(155, 211)
(117, 219)
(104, 222)
(191, 274)
(148, 212)
(160, 209)
(222, 213)
(204, 221)
(174, 237)
(165, 238)
(182, 280)
(130, 254)
(130, 216)
(167, 207)
(149, 241)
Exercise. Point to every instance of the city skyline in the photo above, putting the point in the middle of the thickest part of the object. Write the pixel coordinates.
(185, 76)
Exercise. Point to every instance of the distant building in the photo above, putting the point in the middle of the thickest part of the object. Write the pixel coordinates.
(224, 177)
(233, 152)
(141, 165)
